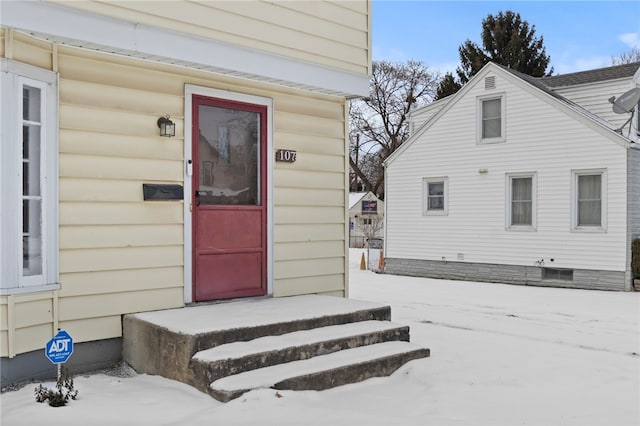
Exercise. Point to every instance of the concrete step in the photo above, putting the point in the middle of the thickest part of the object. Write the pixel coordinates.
(233, 358)
(322, 372)
(163, 342)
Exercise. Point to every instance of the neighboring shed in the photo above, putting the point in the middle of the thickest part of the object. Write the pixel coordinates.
(366, 218)
(102, 216)
(510, 181)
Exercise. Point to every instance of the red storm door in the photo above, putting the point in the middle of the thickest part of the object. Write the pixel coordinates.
(229, 199)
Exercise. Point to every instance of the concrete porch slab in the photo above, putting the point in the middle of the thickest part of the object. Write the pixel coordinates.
(245, 313)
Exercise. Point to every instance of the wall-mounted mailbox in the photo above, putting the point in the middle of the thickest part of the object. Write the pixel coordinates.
(152, 191)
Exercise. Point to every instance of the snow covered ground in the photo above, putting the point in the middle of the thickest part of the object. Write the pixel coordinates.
(500, 355)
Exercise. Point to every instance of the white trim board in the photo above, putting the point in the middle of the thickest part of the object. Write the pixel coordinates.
(59, 24)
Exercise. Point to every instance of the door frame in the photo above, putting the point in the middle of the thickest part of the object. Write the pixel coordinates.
(191, 90)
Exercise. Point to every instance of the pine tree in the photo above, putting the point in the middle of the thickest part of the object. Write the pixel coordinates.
(506, 40)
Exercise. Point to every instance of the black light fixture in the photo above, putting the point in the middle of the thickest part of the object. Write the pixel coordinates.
(167, 127)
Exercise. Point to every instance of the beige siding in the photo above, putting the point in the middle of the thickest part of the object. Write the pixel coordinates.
(335, 34)
(289, 287)
(27, 322)
(120, 254)
(85, 330)
(120, 281)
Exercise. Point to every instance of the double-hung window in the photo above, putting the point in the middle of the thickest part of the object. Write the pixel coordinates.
(589, 200)
(435, 196)
(521, 204)
(491, 119)
(28, 178)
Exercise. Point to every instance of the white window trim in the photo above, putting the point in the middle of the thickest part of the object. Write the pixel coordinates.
(503, 109)
(12, 77)
(425, 196)
(574, 200)
(534, 201)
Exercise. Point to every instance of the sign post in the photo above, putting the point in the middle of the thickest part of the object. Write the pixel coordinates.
(59, 348)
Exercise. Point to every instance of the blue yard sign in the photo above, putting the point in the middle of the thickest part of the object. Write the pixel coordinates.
(60, 348)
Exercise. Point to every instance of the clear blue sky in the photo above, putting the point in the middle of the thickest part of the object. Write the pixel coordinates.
(578, 35)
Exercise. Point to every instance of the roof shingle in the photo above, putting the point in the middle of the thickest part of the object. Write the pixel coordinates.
(591, 76)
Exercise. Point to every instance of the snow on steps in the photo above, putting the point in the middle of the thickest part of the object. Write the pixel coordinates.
(233, 358)
(200, 344)
(322, 372)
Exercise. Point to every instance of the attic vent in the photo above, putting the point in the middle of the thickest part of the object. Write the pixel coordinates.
(490, 82)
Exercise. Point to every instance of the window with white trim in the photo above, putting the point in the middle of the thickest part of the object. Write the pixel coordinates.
(521, 201)
(434, 198)
(589, 195)
(28, 178)
(491, 122)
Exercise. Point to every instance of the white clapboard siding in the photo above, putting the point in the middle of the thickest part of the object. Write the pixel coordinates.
(475, 224)
(634, 193)
(328, 33)
(421, 115)
(309, 268)
(595, 98)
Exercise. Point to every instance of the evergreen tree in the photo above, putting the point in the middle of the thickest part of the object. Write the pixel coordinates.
(506, 40)
(448, 86)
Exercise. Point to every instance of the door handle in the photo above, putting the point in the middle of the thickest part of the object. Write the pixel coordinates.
(198, 194)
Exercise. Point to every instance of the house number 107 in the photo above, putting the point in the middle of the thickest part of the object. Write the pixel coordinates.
(286, 155)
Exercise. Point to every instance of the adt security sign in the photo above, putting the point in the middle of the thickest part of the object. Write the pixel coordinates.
(60, 348)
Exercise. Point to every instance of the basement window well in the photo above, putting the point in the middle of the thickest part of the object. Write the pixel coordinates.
(557, 274)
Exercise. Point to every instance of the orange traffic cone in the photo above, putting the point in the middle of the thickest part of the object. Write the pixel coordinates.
(363, 264)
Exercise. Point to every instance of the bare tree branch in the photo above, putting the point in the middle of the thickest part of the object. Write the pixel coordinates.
(378, 123)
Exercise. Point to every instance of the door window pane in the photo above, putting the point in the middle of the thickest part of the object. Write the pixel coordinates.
(229, 152)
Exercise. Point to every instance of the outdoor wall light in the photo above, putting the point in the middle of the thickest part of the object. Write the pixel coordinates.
(167, 127)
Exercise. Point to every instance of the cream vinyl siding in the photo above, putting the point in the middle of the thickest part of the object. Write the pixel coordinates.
(475, 225)
(332, 33)
(120, 254)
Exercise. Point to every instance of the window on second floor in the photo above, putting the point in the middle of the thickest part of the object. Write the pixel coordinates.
(491, 122)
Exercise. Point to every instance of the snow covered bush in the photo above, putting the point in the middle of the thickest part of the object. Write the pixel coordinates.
(64, 384)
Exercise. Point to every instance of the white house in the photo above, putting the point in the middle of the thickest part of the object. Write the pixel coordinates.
(519, 180)
(366, 218)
